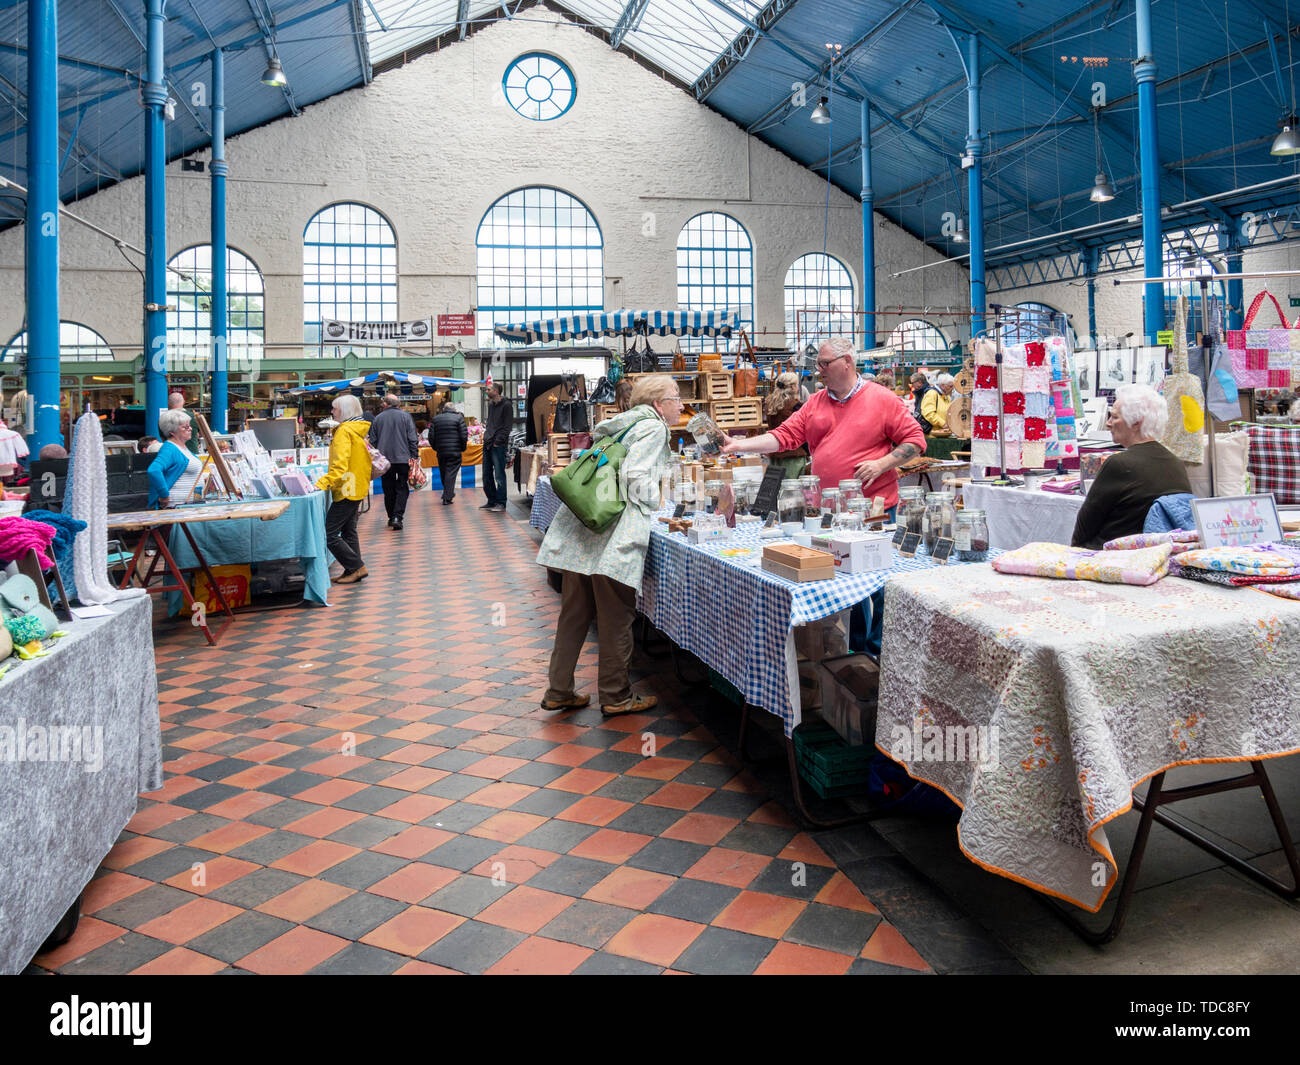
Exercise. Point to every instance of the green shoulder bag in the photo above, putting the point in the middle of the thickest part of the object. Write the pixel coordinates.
(589, 485)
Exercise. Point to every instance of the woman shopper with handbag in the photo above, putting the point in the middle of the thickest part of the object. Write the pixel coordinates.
(348, 479)
(602, 571)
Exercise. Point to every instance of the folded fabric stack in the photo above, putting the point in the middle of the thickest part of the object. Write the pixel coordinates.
(1144, 566)
(1255, 564)
(1179, 540)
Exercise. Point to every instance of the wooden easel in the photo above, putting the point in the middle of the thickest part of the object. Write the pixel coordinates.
(218, 459)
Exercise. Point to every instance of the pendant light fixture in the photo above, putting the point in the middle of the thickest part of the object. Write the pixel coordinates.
(1102, 190)
(821, 114)
(959, 232)
(1286, 142)
(273, 75)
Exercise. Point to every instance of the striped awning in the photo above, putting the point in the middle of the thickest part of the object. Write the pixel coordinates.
(620, 323)
(388, 377)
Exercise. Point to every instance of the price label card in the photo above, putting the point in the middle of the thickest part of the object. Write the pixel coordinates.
(765, 499)
(943, 550)
(826, 520)
(679, 510)
(911, 541)
(899, 534)
(1165, 337)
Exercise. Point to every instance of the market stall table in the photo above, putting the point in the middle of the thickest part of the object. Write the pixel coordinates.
(1075, 692)
(715, 601)
(546, 504)
(298, 532)
(153, 522)
(60, 816)
(1019, 516)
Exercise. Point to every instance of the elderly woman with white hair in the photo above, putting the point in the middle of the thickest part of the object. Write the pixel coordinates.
(1131, 481)
(174, 471)
(348, 479)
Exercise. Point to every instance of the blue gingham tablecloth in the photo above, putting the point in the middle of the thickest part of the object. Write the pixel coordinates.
(738, 619)
(546, 504)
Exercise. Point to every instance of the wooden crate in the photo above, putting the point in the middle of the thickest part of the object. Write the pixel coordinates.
(744, 413)
(688, 384)
(601, 411)
(557, 449)
(717, 386)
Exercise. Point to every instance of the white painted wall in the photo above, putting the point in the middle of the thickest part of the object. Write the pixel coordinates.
(432, 145)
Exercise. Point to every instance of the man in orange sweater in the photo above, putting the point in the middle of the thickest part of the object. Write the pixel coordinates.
(855, 428)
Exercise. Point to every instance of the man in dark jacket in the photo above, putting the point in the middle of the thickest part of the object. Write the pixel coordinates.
(392, 433)
(449, 436)
(496, 438)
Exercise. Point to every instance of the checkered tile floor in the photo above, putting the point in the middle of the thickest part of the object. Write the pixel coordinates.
(372, 788)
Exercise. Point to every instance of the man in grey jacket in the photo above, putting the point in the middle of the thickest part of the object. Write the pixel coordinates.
(392, 433)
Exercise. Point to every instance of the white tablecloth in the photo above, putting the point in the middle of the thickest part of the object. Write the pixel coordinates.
(1019, 516)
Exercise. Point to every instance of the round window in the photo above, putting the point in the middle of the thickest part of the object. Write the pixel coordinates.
(539, 86)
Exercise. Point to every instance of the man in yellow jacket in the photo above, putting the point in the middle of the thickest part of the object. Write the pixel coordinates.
(348, 479)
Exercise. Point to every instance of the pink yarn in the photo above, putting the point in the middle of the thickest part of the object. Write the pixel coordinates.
(18, 535)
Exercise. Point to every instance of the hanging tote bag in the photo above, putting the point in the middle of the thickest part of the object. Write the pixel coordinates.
(379, 464)
(1184, 398)
(1261, 358)
(589, 485)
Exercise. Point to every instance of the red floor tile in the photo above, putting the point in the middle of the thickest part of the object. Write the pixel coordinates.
(888, 946)
(414, 882)
(792, 959)
(413, 931)
(211, 875)
(610, 845)
(659, 768)
(315, 857)
(653, 938)
(570, 754)
(297, 951)
(724, 866)
(760, 914)
(700, 828)
(526, 909)
(594, 810)
(413, 842)
(517, 864)
(633, 888)
(110, 888)
(501, 794)
(679, 796)
(803, 849)
(237, 807)
(331, 791)
(324, 822)
(130, 851)
(90, 934)
(415, 808)
(256, 776)
(189, 921)
(541, 957)
(417, 778)
(228, 837)
(305, 900)
(508, 826)
(841, 891)
(181, 962)
(156, 816)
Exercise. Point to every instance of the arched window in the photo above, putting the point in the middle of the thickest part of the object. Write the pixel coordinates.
(189, 326)
(349, 269)
(818, 300)
(540, 255)
(539, 86)
(1186, 261)
(715, 269)
(77, 343)
(918, 342)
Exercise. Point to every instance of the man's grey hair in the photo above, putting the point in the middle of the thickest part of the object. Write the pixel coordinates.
(840, 347)
(391, 400)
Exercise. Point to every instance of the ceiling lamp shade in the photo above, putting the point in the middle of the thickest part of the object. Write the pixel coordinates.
(1286, 142)
(1103, 191)
(274, 74)
(959, 232)
(821, 113)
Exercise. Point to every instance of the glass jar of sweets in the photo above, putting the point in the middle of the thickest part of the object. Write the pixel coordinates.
(811, 487)
(712, 494)
(708, 437)
(940, 518)
(911, 509)
(831, 502)
(789, 502)
(972, 536)
(850, 488)
(745, 494)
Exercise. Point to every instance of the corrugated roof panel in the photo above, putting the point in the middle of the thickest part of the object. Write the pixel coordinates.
(393, 26)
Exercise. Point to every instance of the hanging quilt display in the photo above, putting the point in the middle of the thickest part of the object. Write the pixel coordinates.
(1037, 408)
(1261, 358)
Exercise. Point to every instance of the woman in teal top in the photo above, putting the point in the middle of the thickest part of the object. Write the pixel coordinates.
(174, 471)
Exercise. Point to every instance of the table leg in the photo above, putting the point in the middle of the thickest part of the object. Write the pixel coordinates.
(212, 583)
(135, 560)
(1158, 796)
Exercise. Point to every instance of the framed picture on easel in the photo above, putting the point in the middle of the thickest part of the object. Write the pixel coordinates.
(217, 458)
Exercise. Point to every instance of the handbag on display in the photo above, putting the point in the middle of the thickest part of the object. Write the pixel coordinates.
(379, 464)
(603, 392)
(641, 360)
(679, 360)
(571, 417)
(1184, 398)
(1261, 358)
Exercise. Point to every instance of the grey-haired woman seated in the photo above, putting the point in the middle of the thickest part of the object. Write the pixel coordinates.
(1131, 481)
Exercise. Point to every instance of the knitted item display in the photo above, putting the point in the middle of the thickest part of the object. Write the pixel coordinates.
(86, 499)
(19, 535)
(65, 533)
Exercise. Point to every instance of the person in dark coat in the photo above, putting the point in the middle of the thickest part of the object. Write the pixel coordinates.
(496, 438)
(392, 433)
(449, 436)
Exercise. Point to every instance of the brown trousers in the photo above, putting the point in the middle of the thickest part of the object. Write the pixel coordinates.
(613, 607)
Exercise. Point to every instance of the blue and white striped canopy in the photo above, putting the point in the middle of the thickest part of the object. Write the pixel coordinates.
(618, 323)
(390, 377)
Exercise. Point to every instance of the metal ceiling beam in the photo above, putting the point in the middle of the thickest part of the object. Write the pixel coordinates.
(71, 61)
(268, 39)
(957, 21)
(140, 40)
(756, 29)
(628, 20)
(363, 43)
(462, 18)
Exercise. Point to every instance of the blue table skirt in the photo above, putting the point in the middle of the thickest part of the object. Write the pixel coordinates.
(297, 533)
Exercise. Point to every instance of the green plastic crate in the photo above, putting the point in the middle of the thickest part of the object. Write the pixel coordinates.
(724, 687)
(832, 768)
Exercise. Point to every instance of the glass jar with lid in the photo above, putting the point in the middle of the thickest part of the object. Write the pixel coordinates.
(745, 494)
(911, 509)
(831, 501)
(940, 518)
(972, 535)
(811, 487)
(850, 488)
(789, 502)
(856, 509)
(712, 496)
(684, 491)
(708, 437)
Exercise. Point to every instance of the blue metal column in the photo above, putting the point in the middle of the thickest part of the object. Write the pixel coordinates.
(1153, 252)
(975, 179)
(154, 93)
(42, 237)
(868, 235)
(1094, 260)
(1230, 243)
(220, 352)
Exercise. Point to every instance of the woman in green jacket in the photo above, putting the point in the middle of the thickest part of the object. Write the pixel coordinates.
(603, 571)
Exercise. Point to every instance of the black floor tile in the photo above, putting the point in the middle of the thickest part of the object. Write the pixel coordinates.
(560, 837)
(360, 959)
(721, 952)
(242, 934)
(463, 852)
(758, 839)
(670, 856)
(270, 848)
(454, 786)
(144, 905)
(371, 800)
(629, 789)
(571, 876)
(795, 880)
(294, 783)
(473, 947)
(368, 831)
(833, 928)
(546, 802)
(588, 924)
(538, 774)
(462, 816)
(282, 813)
(694, 900)
(356, 915)
(208, 795)
(168, 863)
(467, 895)
(118, 956)
(362, 870)
(188, 828)
(648, 820)
(613, 965)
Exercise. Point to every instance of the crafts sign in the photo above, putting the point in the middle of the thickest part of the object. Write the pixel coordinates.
(376, 334)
